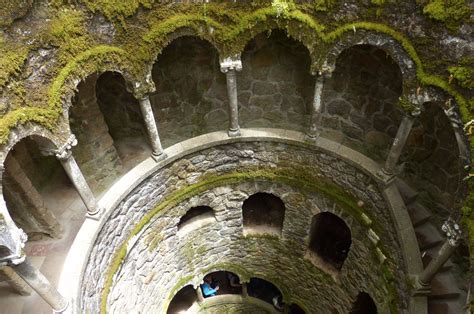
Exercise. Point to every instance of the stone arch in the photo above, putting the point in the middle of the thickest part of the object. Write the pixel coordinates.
(275, 87)
(330, 239)
(360, 100)
(159, 43)
(378, 39)
(432, 158)
(227, 281)
(191, 95)
(263, 213)
(182, 300)
(265, 290)
(195, 217)
(29, 169)
(364, 304)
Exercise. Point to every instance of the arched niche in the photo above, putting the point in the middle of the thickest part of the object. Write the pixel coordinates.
(195, 218)
(263, 213)
(96, 152)
(296, 309)
(275, 87)
(364, 304)
(32, 183)
(266, 291)
(191, 93)
(360, 101)
(183, 300)
(219, 283)
(431, 158)
(330, 239)
(124, 120)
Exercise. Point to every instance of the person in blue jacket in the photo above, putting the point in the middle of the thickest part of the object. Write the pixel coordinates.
(207, 290)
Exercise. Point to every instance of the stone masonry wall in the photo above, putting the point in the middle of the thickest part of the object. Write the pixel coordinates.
(161, 257)
(432, 159)
(360, 101)
(216, 161)
(95, 153)
(191, 92)
(275, 88)
(123, 116)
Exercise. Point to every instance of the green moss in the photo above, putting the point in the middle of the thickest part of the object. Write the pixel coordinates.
(464, 75)
(450, 12)
(406, 104)
(117, 10)
(11, 62)
(68, 33)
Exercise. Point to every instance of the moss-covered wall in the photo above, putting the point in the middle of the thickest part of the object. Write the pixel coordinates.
(312, 173)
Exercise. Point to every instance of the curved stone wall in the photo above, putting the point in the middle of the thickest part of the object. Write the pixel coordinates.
(328, 180)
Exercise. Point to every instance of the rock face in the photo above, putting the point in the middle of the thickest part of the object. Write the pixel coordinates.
(159, 259)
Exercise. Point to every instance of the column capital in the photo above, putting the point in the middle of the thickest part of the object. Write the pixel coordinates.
(453, 232)
(231, 63)
(12, 242)
(63, 152)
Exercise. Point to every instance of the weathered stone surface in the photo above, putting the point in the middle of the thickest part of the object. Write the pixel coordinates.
(159, 247)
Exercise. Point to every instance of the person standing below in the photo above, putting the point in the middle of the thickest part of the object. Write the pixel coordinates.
(207, 290)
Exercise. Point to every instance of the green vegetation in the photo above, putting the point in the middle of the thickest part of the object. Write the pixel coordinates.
(450, 12)
(464, 75)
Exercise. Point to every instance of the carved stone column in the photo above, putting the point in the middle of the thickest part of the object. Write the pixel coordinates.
(230, 66)
(245, 292)
(200, 297)
(64, 155)
(38, 282)
(152, 129)
(453, 237)
(399, 142)
(15, 281)
(316, 105)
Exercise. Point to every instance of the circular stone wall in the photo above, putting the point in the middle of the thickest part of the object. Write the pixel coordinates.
(139, 266)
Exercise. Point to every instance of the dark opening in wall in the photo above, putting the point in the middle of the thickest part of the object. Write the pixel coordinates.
(364, 304)
(330, 238)
(266, 291)
(263, 213)
(221, 282)
(195, 218)
(295, 309)
(183, 300)
(30, 178)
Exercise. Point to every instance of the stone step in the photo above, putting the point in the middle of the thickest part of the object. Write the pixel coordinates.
(444, 286)
(408, 194)
(447, 306)
(428, 236)
(418, 214)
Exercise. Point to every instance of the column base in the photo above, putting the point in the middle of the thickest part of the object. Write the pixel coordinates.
(420, 289)
(233, 133)
(158, 157)
(63, 309)
(95, 214)
(312, 136)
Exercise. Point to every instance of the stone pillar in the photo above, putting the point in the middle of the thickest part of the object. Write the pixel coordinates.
(152, 130)
(316, 106)
(15, 281)
(230, 66)
(453, 237)
(399, 142)
(245, 292)
(38, 282)
(27, 200)
(200, 297)
(64, 155)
